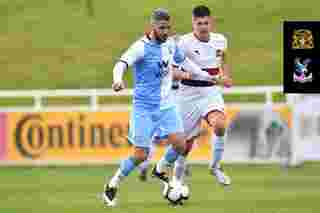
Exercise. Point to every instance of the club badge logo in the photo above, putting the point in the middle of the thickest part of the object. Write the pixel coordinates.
(302, 73)
(302, 39)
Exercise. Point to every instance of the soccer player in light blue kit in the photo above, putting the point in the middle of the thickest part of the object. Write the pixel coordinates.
(150, 57)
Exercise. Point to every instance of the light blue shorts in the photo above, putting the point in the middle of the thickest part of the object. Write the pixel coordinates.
(144, 125)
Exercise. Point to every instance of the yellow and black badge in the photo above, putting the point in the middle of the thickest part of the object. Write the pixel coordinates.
(302, 39)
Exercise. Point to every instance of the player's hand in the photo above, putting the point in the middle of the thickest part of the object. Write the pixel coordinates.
(222, 80)
(117, 86)
(227, 81)
(186, 76)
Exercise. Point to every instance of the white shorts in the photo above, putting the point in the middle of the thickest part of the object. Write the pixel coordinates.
(194, 104)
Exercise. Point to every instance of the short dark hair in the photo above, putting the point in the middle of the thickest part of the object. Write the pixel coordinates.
(160, 14)
(201, 11)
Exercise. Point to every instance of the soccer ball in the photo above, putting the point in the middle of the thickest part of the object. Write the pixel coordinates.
(185, 192)
(175, 193)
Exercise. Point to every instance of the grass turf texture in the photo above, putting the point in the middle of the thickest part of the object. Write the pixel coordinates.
(255, 189)
(57, 44)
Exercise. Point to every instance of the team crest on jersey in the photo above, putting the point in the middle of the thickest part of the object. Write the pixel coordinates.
(164, 68)
(302, 39)
(302, 73)
(164, 64)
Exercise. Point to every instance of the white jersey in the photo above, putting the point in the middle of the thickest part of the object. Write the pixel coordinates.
(196, 102)
(207, 55)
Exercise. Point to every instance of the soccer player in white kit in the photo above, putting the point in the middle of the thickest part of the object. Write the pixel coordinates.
(200, 99)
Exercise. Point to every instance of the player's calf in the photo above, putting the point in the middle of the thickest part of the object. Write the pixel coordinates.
(176, 148)
(217, 121)
(180, 167)
(143, 169)
(126, 167)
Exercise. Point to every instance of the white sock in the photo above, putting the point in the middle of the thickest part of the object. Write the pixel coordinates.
(162, 165)
(145, 164)
(179, 169)
(217, 146)
(116, 179)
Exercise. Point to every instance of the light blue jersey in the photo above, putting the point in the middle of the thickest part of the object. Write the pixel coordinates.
(153, 105)
(152, 79)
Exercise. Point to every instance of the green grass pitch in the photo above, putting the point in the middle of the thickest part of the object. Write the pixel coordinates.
(53, 44)
(255, 189)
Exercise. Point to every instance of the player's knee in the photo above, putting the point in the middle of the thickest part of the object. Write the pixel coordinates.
(141, 154)
(180, 147)
(177, 142)
(188, 147)
(218, 122)
(219, 128)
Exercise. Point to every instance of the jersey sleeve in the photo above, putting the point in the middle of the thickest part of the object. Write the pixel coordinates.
(133, 54)
(222, 42)
(179, 54)
(183, 46)
(225, 46)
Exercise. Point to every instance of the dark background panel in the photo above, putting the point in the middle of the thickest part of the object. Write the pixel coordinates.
(290, 54)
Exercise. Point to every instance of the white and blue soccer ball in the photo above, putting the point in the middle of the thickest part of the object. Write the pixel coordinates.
(185, 192)
(176, 192)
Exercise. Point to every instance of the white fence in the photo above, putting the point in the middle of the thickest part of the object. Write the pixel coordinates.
(93, 94)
